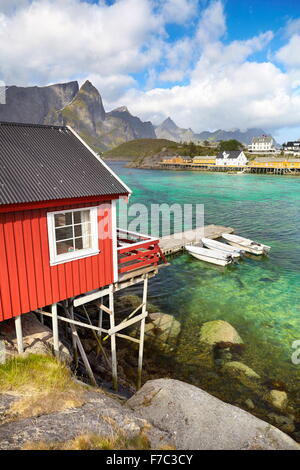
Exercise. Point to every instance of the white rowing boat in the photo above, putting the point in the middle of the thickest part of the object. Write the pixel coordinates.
(215, 245)
(210, 256)
(246, 244)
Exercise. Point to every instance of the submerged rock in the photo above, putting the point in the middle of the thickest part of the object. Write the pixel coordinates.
(249, 403)
(125, 304)
(278, 399)
(218, 333)
(161, 331)
(196, 420)
(284, 423)
(241, 372)
(276, 385)
(162, 327)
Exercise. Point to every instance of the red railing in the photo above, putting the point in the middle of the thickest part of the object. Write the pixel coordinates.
(137, 251)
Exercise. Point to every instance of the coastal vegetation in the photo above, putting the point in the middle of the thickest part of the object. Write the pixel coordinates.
(117, 441)
(143, 151)
(230, 145)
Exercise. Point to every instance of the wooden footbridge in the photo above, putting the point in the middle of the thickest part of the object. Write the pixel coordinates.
(175, 243)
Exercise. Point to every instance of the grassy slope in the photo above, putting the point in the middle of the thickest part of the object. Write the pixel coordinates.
(140, 147)
(144, 149)
(43, 386)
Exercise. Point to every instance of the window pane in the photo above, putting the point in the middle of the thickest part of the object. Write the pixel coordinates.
(64, 233)
(79, 244)
(64, 247)
(83, 243)
(82, 230)
(81, 216)
(63, 219)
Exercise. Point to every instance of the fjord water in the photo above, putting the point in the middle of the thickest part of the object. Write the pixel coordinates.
(259, 296)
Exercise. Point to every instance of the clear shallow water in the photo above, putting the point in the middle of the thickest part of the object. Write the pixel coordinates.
(259, 296)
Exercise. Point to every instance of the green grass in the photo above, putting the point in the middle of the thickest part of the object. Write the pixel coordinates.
(42, 384)
(36, 372)
(140, 149)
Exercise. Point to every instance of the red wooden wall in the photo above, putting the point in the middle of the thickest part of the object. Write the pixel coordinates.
(27, 281)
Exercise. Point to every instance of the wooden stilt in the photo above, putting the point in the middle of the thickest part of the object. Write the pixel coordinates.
(55, 330)
(82, 353)
(19, 334)
(96, 336)
(142, 333)
(113, 339)
(100, 321)
(74, 342)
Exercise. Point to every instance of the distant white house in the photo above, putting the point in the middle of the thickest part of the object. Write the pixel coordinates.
(231, 158)
(292, 147)
(262, 144)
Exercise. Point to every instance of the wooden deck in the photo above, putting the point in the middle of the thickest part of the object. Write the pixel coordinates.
(175, 243)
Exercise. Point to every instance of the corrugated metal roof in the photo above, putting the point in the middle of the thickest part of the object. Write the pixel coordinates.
(42, 163)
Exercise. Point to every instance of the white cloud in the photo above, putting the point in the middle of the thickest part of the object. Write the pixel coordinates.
(178, 11)
(51, 39)
(289, 54)
(212, 25)
(114, 85)
(292, 27)
(46, 41)
(226, 88)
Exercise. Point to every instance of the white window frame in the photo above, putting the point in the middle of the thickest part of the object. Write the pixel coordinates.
(73, 255)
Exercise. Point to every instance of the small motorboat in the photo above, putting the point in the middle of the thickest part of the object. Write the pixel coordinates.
(246, 244)
(215, 245)
(210, 256)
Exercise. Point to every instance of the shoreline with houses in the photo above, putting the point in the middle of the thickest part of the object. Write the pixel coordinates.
(262, 157)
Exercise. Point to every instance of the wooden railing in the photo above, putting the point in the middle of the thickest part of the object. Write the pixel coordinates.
(137, 251)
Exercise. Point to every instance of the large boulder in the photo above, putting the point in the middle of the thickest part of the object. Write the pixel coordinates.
(196, 420)
(242, 373)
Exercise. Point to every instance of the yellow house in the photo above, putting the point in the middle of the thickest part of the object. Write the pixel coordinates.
(177, 160)
(205, 160)
(278, 163)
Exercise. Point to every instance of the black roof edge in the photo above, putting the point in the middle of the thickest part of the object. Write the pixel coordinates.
(25, 124)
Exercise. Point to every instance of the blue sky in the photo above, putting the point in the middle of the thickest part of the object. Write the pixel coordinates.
(206, 63)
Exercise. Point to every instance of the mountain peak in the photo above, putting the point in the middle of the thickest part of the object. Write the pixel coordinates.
(169, 124)
(89, 87)
(122, 109)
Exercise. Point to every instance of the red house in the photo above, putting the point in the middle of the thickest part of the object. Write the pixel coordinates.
(58, 234)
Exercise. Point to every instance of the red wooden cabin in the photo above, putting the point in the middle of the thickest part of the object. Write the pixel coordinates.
(58, 234)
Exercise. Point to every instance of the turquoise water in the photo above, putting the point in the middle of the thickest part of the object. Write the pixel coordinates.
(259, 296)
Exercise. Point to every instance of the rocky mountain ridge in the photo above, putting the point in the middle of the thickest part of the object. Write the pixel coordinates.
(169, 130)
(82, 108)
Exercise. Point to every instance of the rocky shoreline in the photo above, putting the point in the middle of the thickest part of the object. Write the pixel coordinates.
(219, 369)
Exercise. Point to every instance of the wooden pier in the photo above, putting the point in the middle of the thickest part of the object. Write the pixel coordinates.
(175, 243)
